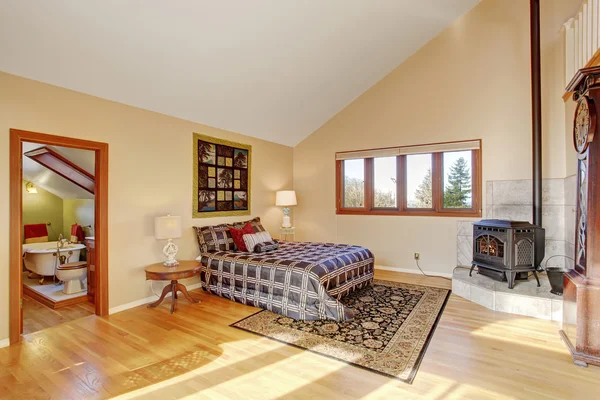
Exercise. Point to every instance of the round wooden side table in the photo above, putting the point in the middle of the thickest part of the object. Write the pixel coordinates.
(185, 269)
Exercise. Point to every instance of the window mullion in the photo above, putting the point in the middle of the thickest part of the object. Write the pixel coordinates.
(437, 190)
(369, 190)
(401, 183)
(339, 189)
(475, 182)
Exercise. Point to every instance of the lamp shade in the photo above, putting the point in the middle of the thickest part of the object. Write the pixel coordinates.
(285, 198)
(167, 227)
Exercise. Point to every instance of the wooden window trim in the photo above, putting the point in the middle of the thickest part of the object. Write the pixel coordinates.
(401, 177)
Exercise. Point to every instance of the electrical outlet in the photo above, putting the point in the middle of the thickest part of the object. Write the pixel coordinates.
(417, 256)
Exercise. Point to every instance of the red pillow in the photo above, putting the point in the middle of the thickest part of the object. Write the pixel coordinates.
(237, 235)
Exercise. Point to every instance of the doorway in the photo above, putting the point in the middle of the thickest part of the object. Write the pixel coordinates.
(99, 252)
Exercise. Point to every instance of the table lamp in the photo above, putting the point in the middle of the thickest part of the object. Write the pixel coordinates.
(168, 227)
(286, 198)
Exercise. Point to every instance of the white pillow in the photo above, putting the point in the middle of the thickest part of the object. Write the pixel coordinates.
(252, 239)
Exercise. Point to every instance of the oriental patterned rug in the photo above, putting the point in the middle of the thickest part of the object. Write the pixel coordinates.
(393, 325)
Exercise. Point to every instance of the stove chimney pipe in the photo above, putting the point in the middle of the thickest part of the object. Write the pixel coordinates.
(536, 109)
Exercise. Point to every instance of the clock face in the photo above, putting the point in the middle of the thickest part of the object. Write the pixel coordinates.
(584, 125)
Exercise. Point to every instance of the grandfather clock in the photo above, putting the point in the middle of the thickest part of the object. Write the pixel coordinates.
(581, 298)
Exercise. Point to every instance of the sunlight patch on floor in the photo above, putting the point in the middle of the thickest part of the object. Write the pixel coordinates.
(498, 331)
(233, 353)
(241, 373)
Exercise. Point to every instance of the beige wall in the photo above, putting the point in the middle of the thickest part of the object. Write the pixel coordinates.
(78, 211)
(472, 81)
(150, 174)
(43, 207)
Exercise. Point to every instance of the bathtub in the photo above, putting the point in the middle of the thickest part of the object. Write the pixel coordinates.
(41, 258)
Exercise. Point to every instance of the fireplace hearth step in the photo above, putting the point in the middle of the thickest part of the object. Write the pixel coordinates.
(525, 299)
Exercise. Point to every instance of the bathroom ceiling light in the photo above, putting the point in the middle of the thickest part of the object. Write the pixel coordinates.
(30, 188)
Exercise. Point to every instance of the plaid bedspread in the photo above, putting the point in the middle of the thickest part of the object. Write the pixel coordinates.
(301, 280)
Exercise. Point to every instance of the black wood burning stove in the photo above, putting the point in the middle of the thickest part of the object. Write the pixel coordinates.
(507, 250)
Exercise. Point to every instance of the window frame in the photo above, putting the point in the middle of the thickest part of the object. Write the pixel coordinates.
(340, 188)
(402, 208)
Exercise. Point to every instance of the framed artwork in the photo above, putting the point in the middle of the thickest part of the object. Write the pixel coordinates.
(221, 177)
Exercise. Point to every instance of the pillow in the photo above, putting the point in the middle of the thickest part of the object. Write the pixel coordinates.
(251, 240)
(255, 222)
(214, 238)
(266, 246)
(236, 235)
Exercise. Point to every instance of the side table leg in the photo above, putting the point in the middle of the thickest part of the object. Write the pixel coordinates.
(174, 295)
(166, 290)
(185, 293)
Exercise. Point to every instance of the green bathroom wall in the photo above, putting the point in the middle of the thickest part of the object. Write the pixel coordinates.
(43, 207)
(78, 211)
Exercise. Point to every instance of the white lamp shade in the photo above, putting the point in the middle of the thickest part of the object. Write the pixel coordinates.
(285, 198)
(167, 227)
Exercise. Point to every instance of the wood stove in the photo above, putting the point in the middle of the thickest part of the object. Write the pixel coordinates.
(507, 250)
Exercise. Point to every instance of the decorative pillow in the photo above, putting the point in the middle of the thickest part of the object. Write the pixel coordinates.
(237, 234)
(214, 238)
(266, 246)
(255, 222)
(251, 240)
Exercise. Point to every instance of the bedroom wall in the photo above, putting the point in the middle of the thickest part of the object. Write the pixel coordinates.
(472, 81)
(150, 174)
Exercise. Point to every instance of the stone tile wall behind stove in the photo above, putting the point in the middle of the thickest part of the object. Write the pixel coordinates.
(512, 200)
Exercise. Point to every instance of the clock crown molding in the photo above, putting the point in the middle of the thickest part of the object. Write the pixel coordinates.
(583, 80)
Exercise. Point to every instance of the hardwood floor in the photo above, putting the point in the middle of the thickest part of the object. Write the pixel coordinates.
(37, 316)
(146, 353)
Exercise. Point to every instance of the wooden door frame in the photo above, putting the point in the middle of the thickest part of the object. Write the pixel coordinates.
(17, 137)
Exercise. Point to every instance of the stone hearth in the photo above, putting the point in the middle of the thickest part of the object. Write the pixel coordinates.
(525, 299)
(511, 200)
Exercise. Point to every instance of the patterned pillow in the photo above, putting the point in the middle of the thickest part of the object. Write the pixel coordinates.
(266, 246)
(214, 238)
(255, 222)
(238, 234)
(253, 239)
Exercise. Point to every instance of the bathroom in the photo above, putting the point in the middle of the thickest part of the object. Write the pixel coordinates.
(58, 205)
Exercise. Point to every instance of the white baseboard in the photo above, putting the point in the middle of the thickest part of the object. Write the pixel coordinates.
(413, 271)
(4, 343)
(141, 302)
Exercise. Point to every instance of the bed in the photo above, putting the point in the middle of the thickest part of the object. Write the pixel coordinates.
(301, 280)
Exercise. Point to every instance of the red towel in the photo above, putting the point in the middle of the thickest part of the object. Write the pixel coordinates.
(77, 230)
(35, 230)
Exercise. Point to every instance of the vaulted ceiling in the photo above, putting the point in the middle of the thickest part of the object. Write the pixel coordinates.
(272, 69)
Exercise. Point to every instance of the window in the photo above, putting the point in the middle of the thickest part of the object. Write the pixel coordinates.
(419, 181)
(384, 182)
(457, 179)
(354, 183)
(441, 179)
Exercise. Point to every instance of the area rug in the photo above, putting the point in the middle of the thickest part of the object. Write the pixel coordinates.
(393, 324)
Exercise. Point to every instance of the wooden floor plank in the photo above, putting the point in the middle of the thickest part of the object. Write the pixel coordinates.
(37, 316)
(145, 353)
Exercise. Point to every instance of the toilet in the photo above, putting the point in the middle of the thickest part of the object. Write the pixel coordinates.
(74, 275)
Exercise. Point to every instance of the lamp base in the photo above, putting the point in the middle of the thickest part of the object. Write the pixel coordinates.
(286, 222)
(170, 251)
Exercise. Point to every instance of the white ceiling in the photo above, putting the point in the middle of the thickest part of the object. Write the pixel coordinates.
(51, 181)
(272, 69)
